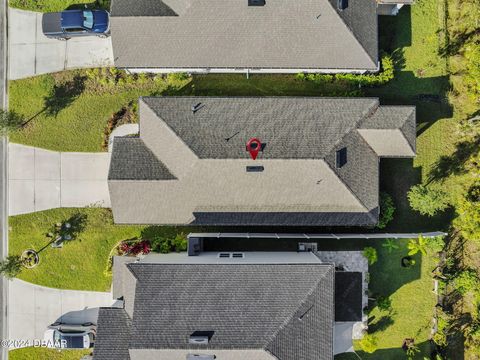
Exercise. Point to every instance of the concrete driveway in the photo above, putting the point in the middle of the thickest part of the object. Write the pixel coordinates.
(32, 308)
(31, 53)
(40, 179)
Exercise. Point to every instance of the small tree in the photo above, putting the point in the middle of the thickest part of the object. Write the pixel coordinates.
(390, 245)
(11, 266)
(368, 343)
(371, 254)
(427, 200)
(384, 303)
(417, 245)
(180, 242)
(387, 208)
(9, 122)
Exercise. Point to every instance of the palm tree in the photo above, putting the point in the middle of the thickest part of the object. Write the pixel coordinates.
(390, 245)
(417, 245)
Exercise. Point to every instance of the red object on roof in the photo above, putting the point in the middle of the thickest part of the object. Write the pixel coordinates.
(253, 146)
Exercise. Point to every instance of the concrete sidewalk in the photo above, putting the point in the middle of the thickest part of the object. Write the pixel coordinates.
(40, 179)
(32, 308)
(31, 53)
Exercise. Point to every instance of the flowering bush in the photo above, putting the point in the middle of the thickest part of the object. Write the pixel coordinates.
(141, 247)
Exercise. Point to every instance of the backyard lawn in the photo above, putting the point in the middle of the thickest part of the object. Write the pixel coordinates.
(80, 264)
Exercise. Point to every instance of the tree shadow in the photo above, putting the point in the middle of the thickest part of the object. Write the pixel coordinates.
(395, 31)
(454, 164)
(63, 95)
(455, 43)
(381, 324)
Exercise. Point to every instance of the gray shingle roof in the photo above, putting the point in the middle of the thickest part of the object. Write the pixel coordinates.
(291, 127)
(247, 307)
(132, 160)
(113, 335)
(305, 34)
(198, 149)
(140, 8)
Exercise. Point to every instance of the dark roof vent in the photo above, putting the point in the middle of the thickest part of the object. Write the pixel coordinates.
(342, 4)
(341, 157)
(256, 2)
(200, 357)
(200, 337)
(196, 107)
(255, 168)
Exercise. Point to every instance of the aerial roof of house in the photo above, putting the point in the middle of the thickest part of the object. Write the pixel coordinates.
(230, 34)
(264, 306)
(319, 163)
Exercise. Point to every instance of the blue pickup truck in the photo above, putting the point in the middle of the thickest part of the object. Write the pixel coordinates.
(74, 23)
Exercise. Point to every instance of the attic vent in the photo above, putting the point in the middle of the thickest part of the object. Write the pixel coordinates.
(256, 2)
(342, 4)
(341, 158)
(255, 168)
(231, 255)
(200, 337)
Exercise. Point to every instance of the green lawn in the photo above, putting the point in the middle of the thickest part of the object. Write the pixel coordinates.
(80, 264)
(56, 5)
(46, 354)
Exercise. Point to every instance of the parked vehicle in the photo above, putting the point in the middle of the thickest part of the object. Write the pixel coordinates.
(70, 336)
(74, 23)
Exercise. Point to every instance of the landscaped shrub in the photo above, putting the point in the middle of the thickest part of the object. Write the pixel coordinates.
(436, 244)
(180, 242)
(466, 281)
(11, 266)
(174, 77)
(427, 200)
(387, 208)
(385, 75)
(468, 219)
(126, 115)
(368, 343)
(371, 254)
(136, 248)
(9, 122)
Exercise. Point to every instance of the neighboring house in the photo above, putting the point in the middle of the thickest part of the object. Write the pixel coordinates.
(256, 36)
(255, 306)
(319, 163)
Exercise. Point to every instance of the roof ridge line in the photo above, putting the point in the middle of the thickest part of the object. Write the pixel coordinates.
(304, 300)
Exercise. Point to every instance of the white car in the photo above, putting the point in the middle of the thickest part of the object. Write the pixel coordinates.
(69, 336)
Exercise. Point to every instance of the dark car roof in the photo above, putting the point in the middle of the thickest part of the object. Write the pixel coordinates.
(72, 18)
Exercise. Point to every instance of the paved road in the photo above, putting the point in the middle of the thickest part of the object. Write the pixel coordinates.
(31, 53)
(33, 308)
(41, 179)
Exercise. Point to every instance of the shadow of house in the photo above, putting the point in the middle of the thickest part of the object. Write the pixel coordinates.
(95, 4)
(85, 316)
(395, 31)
